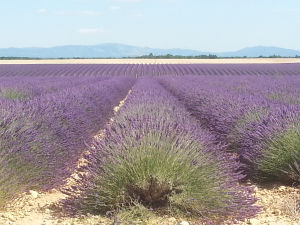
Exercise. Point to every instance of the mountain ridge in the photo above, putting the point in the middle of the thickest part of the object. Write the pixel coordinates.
(114, 50)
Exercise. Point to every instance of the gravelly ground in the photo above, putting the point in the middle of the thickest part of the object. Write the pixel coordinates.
(44, 209)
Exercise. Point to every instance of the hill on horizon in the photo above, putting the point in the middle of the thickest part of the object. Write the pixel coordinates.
(113, 50)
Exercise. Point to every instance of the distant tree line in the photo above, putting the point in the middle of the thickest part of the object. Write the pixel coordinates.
(169, 56)
(19, 58)
(278, 56)
(152, 56)
(210, 56)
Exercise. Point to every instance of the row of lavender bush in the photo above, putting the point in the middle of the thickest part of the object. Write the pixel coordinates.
(24, 88)
(41, 139)
(156, 155)
(243, 114)
(148, 69)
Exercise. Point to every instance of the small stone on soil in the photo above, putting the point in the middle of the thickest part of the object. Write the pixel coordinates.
(34, 194)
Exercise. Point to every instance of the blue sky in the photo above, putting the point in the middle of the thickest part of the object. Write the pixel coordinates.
(207, 25)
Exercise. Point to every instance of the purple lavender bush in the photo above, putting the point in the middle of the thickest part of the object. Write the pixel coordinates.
(42, 139)
(217, 109)
(263, 131)
(156, 155)
(60, 70)
(26, 88)
(269, 147)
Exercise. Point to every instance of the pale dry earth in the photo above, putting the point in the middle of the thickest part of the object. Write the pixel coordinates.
(44, 209)
(280, 205)
(154, 61)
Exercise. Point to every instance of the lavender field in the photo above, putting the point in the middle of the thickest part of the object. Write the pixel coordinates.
(187, 141)
(137, 69)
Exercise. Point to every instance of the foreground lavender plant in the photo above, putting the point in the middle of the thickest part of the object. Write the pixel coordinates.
(156, 155)
(42, 139)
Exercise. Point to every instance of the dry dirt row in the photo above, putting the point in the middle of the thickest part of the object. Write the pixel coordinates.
(34, 208)
(153, 61)
(280, 205)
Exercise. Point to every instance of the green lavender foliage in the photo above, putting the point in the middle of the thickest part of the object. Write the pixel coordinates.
(281, 154)
(156, 155)
(13, 94)
(158, 172)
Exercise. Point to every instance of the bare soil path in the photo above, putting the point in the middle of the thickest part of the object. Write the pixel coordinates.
(154, 61)
(280, 205)
(278, 202)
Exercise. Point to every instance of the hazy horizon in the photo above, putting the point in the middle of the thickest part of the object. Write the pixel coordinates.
(87, 45)
(213, 26)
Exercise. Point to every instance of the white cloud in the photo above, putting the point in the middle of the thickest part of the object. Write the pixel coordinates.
(80, 0)
(78, 13)
(62, 13)
(91, 30)
(138, 0)
(89, 13)
(138, 15)
(41, 11)
(115, 8)
(287, 10)
(125, 0)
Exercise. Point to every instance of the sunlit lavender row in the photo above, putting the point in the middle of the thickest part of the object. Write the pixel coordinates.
(148, 69)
